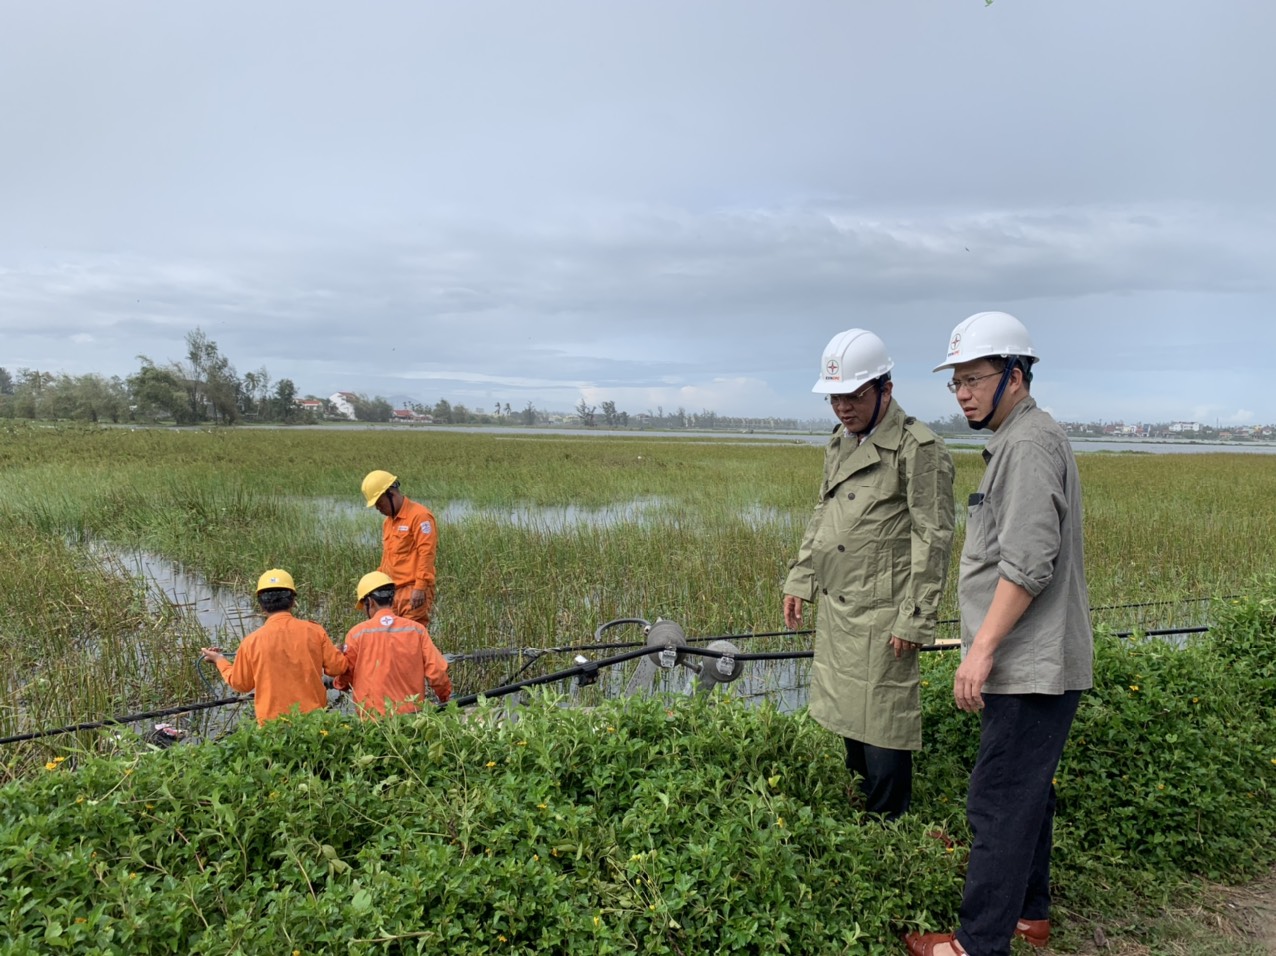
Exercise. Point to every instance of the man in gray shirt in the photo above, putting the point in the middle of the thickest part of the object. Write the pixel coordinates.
(1027, 645)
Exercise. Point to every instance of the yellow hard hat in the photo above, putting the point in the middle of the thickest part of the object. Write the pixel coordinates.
(375, 484)
(275, 578)
(369, 583)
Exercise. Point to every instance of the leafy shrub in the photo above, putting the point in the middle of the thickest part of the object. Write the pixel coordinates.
(637, 827)
(643, 826)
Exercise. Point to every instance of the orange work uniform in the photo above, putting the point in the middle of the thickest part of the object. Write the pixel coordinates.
(284, 661)
(409, 541)
(391, 658)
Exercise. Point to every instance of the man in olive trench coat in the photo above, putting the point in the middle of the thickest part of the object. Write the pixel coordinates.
(874, 556)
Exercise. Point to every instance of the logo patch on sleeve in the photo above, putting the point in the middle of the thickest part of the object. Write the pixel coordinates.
(426, 527)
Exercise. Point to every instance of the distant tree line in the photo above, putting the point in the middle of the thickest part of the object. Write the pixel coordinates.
(201, 387)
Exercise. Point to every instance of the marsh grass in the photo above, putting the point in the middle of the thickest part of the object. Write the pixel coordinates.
(710, 553)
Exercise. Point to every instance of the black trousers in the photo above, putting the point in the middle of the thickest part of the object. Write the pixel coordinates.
(886, 777)
(1010, 808)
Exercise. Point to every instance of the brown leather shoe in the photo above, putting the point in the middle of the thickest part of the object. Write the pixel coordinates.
(1035, 931)
(927, 944)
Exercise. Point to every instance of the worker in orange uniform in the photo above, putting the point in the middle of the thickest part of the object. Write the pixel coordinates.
(285, 659)
(409, 542)
(391, 658)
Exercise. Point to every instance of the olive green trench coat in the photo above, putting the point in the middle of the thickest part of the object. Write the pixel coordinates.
(874, 557)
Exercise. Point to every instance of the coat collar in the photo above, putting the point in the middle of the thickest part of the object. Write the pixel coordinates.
(850, 458)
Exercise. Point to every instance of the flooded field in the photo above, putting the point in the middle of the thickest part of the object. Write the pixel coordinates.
(131, 550)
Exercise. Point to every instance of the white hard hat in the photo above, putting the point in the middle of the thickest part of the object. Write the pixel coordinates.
(851, 359)
(985, 334)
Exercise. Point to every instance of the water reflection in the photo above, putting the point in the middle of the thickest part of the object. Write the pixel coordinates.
(554, 519)
(169, 586)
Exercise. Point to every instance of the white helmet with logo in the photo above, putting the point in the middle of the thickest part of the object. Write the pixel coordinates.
(851, 359)
(987, 334)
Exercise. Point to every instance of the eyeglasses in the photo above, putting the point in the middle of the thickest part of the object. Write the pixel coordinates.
(969, 382)
(859, 396)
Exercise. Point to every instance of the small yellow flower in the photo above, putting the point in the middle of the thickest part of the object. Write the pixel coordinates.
(50, 766)
(1160, 786)
(925, 683)
(554, 852)
(779, 822)
(1054, 781)
(296, 952)
(323, 733)
(543, 806)
(490, 764)
(521, 743)
(58, 759)
(1197, 700)
(611, 730)
(1134, 687)
(536, 857)
(150, 806)
(950, 849)
(80, 798)
(502, 939)
(598, 920)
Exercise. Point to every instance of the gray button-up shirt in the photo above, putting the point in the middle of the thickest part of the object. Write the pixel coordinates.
(1024, 525)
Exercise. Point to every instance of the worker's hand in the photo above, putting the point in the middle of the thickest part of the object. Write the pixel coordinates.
(418, 597)
(968, 683)
(792, 612)
(901, 646)
(212, 653)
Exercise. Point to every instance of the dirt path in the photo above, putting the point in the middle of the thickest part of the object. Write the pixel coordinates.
(1229, 921)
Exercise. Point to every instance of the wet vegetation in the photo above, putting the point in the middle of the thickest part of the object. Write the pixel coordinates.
(641, 826)
(542, 540)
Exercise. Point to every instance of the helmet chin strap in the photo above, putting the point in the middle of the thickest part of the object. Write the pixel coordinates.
(877, 410)
(996, 398)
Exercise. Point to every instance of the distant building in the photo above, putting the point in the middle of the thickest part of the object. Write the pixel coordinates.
(1180, 427)
(343, 402)
(408, 417)
(312, 405)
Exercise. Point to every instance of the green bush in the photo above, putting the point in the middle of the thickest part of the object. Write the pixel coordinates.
(650, 826)
(702, 826)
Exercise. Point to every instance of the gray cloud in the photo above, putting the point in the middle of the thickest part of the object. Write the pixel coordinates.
(665, 204)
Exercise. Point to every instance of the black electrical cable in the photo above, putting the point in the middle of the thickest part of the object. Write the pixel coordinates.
(589, 667)
(126, 719)
(570, 672)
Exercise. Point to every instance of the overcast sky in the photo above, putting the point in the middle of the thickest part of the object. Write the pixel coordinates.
(661, 203)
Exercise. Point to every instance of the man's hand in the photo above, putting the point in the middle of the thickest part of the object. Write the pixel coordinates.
(792, 612)
(212, 654)
(901, 646)
(968, 683)
(418, 597)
